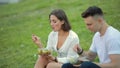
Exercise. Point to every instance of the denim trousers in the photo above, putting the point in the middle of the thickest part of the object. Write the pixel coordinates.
(83, 65)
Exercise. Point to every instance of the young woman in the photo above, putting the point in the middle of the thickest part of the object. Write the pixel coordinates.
(61, 40)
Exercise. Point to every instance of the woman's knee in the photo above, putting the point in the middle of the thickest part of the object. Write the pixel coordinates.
(54, 65)
(50, 65)
(40, 63)
(42, 60)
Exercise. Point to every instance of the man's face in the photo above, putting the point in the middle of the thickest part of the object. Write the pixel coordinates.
(92, 24)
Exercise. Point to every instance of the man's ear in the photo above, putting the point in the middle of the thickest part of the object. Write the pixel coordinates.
(100, 20)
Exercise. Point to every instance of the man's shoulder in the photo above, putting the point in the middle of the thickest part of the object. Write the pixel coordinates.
(96, 35)
(113, 33)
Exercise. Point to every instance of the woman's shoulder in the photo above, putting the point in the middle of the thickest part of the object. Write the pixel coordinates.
(53, 33)
(73, 34)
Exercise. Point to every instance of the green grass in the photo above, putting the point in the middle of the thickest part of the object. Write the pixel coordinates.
(19, 21)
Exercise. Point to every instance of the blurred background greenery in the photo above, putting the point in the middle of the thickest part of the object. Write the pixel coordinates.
(18, 21)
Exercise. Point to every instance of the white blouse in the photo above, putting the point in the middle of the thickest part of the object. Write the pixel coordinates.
(65, 54)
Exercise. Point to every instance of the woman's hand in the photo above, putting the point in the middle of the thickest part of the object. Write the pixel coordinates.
(49, 57)
(77, 48)
(36, 40)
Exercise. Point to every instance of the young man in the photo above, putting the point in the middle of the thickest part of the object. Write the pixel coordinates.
(105, 43)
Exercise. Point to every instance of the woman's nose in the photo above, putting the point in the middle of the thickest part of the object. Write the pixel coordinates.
(51, 23)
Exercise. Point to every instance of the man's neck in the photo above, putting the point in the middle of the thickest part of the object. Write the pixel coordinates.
(103, 29)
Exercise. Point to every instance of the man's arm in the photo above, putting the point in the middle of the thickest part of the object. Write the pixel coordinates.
(90, 55)
(115, 62)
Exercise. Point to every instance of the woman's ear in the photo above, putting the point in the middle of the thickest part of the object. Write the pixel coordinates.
(63, 21)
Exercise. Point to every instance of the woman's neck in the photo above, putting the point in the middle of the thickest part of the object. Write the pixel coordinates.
(62, 33)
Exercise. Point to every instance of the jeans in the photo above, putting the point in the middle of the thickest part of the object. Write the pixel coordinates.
(68, 65)
(83, 65)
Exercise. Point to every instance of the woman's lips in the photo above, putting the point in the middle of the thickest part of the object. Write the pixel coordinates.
(52, 27)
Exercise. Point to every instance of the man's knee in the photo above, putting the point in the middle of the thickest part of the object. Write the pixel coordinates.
(88, 65)
(67, 65)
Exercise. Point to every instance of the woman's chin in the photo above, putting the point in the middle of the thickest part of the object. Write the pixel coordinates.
(55, 30)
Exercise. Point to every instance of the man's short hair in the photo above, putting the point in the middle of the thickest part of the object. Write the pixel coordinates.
(92, 11)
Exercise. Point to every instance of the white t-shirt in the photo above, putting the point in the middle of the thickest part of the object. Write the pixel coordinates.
(65, 53)
(106, 45)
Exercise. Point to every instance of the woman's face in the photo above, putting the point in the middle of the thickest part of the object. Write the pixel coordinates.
(55, 23)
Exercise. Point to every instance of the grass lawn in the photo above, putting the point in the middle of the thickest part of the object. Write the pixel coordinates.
(19, 21)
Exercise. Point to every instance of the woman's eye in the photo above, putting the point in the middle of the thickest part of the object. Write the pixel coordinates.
(89, 24)
(55, 22)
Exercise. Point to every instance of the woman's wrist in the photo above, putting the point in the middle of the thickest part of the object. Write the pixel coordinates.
(39, 45)
(80, 52)
(55, 59)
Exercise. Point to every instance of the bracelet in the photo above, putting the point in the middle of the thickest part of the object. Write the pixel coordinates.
(56, 59)
(80, 52)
